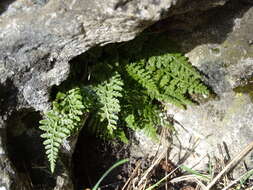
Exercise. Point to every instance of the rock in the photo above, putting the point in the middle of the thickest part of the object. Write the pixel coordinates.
(39, 38)
(221, 127)
(227, 65)
(9, 177)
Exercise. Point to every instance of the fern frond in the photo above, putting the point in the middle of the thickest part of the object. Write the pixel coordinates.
(64, 119)
(176, 67)
(138, 110)
(108, 94)
(139, 73)
(52, 135)
(168, 77)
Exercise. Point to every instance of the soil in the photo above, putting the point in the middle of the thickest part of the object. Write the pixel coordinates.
(26, 150)
(93, 156)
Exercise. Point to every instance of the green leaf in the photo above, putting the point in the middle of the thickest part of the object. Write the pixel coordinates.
(63, 120)
(109, 107)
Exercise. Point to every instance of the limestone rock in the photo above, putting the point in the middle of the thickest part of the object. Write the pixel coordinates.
(38, 38)
(222, 50)
(228, 67)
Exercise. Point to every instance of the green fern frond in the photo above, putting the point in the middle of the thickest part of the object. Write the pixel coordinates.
(176, 67)
(138, 110)
(108, 94)
(64, 119)
(139, 73)
(52, 135)
(168, 77)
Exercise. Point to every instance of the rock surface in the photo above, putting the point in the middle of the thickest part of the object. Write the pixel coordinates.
(222, 50)
(228, 66)
(39, 38)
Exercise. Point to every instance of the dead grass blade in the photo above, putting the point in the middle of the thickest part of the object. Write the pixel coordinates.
(190, 177)
(236, 181)
(157, 161)
(231, 164)
(132, 175)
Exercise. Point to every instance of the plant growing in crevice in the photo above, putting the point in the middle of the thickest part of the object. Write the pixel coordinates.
(125, 87)
(65, 118)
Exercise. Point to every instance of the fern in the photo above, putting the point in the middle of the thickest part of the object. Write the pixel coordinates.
(121, 89)
(138, 110)
(53, 136)
(64, 119)
(67, 114)
(168, 78)
(108, 93)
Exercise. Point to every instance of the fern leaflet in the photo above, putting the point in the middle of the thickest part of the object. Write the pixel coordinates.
(108, 93)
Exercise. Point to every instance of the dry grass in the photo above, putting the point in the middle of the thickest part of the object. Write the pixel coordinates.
(140, 180)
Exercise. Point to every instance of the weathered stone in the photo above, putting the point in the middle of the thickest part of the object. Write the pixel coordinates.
(226, 59)
(9, 178)
(223, 52)
(38, 40)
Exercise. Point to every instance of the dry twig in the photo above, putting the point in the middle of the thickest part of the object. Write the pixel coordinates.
(231, 164)
(132, 175)
(160, 157)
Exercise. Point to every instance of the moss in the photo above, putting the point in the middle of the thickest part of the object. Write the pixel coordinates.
(246, 88)
(215, 50)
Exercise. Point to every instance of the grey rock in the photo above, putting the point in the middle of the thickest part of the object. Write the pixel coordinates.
(227, 65)
(222, 52)
(9, 178)
(38, 40)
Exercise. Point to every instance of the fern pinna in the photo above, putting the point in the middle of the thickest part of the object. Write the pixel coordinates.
(121, 91)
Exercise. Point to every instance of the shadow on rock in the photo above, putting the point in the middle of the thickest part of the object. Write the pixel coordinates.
(26, 150)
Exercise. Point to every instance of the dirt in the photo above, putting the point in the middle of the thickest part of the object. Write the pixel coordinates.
(93, 156)
(26, 150)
